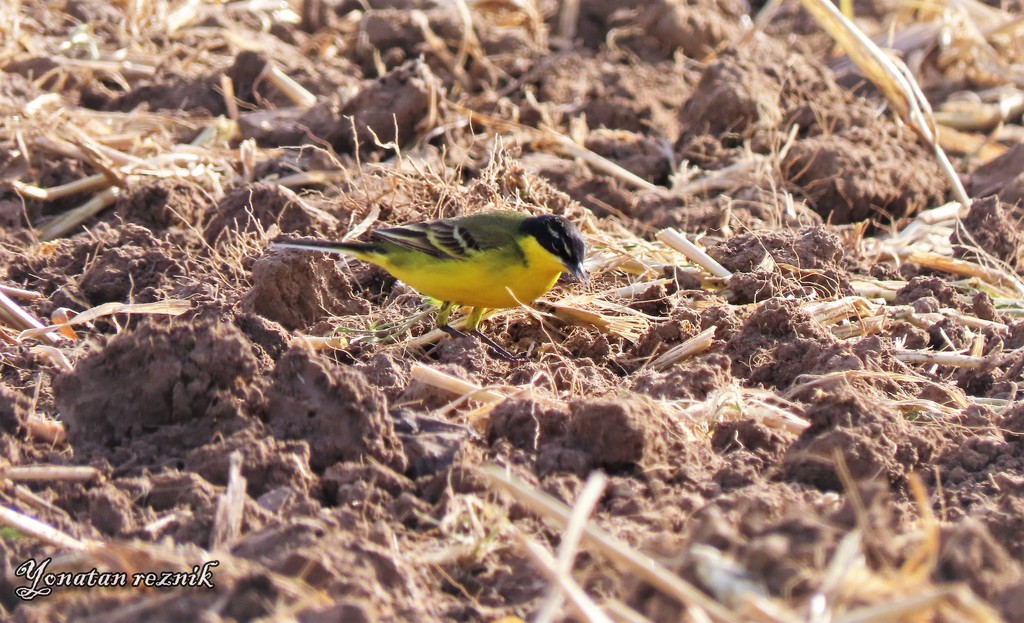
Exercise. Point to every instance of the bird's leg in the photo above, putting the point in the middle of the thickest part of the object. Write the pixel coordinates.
(442, 320)
(452, 331)
(442, 314)
(496, 350)
(473, 321)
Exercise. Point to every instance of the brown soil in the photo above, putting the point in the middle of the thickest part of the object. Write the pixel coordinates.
(1003, 176)
(333, 409)
(788, 440)
(992, 226)
(155, 377)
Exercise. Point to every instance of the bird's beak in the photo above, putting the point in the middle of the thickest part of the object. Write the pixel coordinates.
(577, 271)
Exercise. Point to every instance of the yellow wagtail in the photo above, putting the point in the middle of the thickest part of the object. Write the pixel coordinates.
(491, 260)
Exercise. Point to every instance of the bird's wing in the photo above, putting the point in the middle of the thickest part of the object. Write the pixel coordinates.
(454, 238)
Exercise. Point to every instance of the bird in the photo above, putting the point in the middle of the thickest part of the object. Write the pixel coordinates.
(488, 260)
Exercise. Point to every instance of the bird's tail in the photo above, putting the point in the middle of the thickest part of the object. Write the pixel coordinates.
(366, 251)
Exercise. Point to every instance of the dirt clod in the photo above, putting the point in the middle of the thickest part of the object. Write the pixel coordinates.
(297, 289)
(395, 108)
(616, 434)
(333, 409)
(163, 204)
(154, 376)
(777, 264)
(123, 264)
(260, 205)
(874, 443)
(526, 424)
(1003, 175)
(990, 229)
(921, 288)
(13, 409)
(841, 177)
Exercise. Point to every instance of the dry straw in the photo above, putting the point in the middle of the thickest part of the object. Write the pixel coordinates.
(892, 78)
(594, 538)
(850, 592)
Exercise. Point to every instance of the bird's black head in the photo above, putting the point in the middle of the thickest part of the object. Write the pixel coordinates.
(560, 238)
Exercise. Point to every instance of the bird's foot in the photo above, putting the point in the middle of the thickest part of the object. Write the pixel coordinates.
(492, 347)
(495, 350)
(452, 331)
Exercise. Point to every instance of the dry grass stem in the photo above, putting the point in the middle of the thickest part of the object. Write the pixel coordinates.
(158, 525)
(923, 602)
(627, 327)
(568, 147)
(632, 290)
(732, 403)
(16, 317)
(731, 584)
(54, 355)
(310, 178)
(76, 216)
(969, 114)
(18, 293)
(585, 503)
(736, 174)
(435, 335)
(942, 358)
(49, 431)
(829, 313)
(624, 614)
(981, 148)
(864, 327)
(66, 473)
(333, 342)
(568, 17)
(23, 494)
(291, 89)
(170, 307)
(227, 86)
(943, 213)
(440, 380)
(227, 525)
(695, 254)
(557, 514)
(972, 322)
(693, 346)
(995, 276)
(892, 78)
(86, 184)
(182, 16)
(581, 603)
(884, 290)
(38, 530)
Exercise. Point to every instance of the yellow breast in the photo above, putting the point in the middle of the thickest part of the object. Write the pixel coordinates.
(497, 278)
